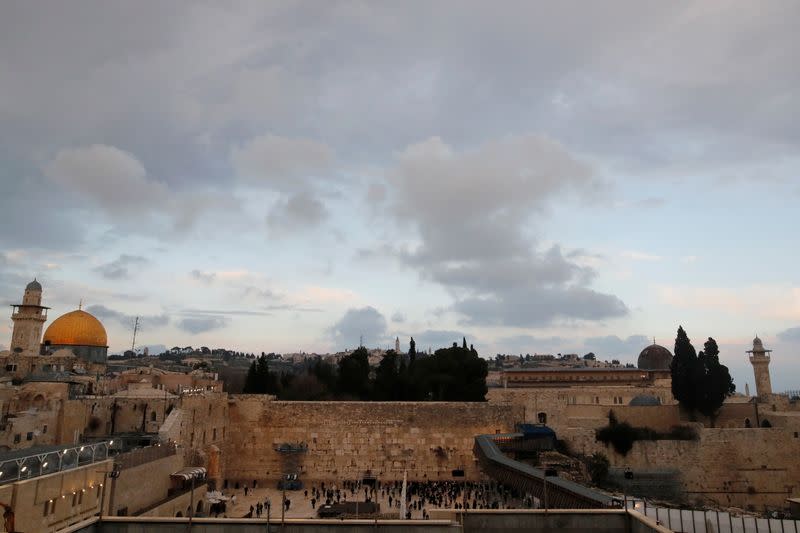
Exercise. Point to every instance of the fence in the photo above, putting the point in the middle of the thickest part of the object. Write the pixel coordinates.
(699, 521)
(141, 456)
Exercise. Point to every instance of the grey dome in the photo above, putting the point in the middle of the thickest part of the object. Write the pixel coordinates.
(654, 357)
(644, 400)
(34, 286)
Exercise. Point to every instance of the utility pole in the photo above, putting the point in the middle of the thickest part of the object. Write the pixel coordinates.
(135, 329)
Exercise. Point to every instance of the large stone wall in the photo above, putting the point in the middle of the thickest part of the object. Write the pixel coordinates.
(733, 467)
(345, 439)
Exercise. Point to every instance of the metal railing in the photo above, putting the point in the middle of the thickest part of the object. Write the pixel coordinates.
(49, 462)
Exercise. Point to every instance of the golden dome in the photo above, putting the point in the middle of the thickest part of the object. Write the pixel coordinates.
(77, 328)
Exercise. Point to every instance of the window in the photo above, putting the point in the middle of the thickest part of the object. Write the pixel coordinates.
(153, 416)
(17, 438)
(214, 437)
(29, 436)
(542, 418)
(44, 429)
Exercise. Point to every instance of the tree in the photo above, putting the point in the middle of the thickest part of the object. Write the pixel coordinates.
(452, 374)
(354, 374)
(683, 369)
(699, 381)
(412, 351)
(717, 383)
(388, 385)
(259, 379)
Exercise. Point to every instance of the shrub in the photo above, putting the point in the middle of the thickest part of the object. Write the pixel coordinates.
(598, 465)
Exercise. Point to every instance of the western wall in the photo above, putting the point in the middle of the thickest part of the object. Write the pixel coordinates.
(345, 439)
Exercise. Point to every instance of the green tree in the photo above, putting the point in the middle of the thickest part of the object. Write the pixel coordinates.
(387, 386)
(684, 369)
(353, 379)
(452, 374)
(259, 379)
(717, 383)
(699, 381)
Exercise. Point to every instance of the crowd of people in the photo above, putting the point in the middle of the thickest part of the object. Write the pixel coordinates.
(421, 497)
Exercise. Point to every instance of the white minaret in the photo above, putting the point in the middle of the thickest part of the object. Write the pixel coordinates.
(759, 358)
(28, 318)
(397, 345)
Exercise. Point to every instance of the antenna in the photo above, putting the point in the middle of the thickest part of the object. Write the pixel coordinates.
(135, 329)
(361, 341)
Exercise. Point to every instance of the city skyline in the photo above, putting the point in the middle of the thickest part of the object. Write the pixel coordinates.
(297, 176)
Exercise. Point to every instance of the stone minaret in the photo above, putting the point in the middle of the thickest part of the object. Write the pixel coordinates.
(29, 317)
(397, 344)
(759, 358)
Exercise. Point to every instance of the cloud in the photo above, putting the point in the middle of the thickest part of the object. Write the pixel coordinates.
(120, 268)
(298, 212)
(398, 317)
(472, 209)
(640, 256)
(205, 277)
(367, 323)
(281, 163)
(115, 183)
(146, 322)
(790, 335)
(222, 313)
(204, 324)
(107, 177)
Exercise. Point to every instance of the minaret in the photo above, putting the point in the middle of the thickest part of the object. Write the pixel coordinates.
(28, 317)
(397, 345)
(759, 358)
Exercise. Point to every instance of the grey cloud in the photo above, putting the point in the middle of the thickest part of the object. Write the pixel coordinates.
(366, 322)
(623, 66)
(398, 317)
(298, 212)
(281, 163)
(52, 228)
(121, 267)
(472, 210)
(114, 183)
(261, 294)
(790, 335)
(146, 322)
(223, 313)
(539, 306)
(205, 277)
(203, 324)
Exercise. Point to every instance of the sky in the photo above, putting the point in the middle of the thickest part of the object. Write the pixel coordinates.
(539, 177)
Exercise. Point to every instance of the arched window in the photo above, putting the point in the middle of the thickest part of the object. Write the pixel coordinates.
(765, 423)
(542, 418)
(747, 423)
(153, 416)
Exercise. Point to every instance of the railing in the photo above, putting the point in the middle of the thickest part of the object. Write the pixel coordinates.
(533, 481)
(140, 456)
(43, 463)
(703, 521)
